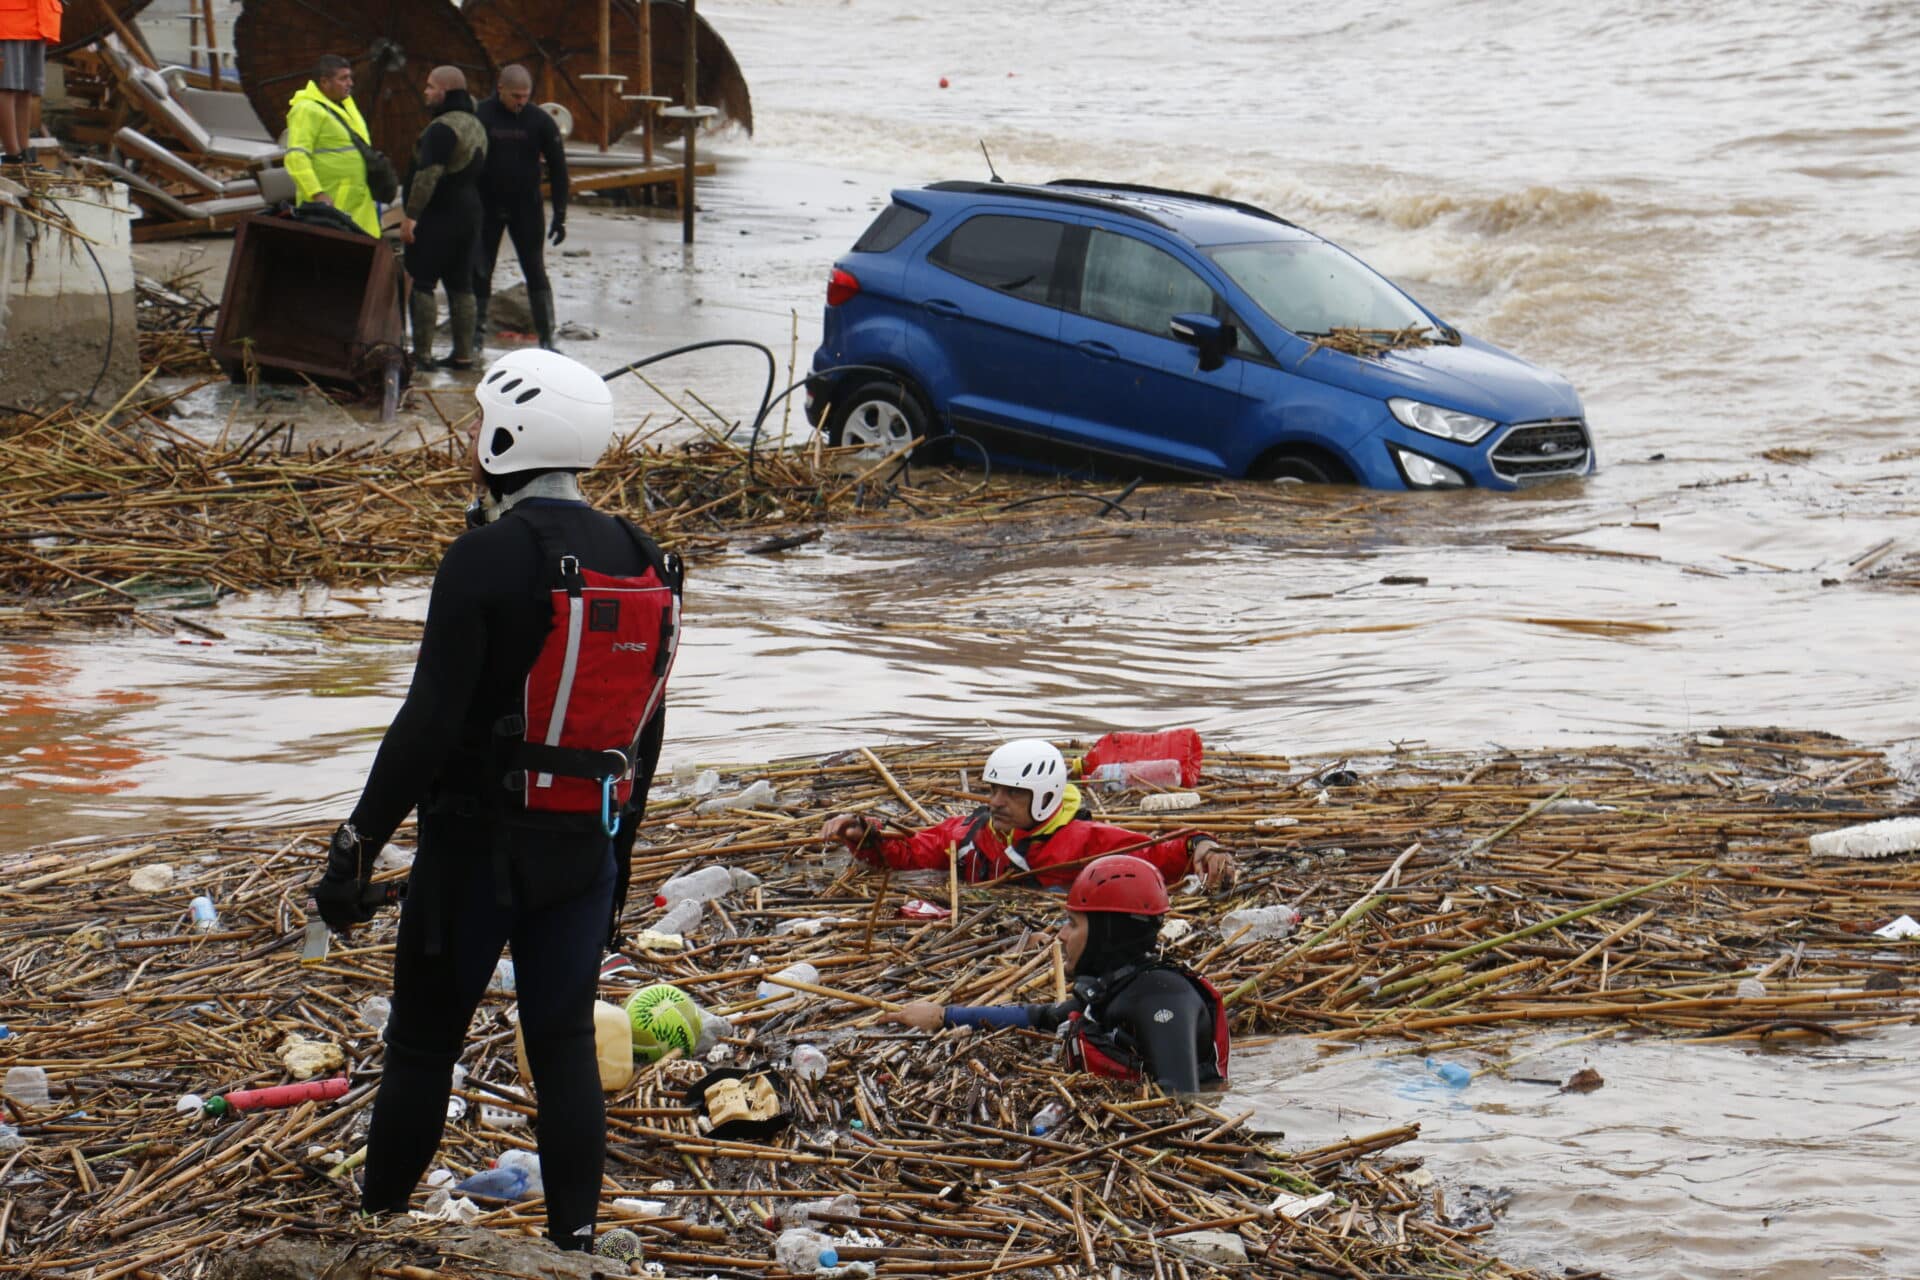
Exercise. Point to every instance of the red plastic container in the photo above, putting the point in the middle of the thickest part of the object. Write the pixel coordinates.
(280, 1095)
(1170, 744)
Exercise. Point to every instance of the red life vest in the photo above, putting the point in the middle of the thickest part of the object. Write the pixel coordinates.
(598, 679)
(1104, 1051)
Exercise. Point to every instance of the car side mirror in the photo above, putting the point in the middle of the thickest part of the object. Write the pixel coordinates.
(1213, 337)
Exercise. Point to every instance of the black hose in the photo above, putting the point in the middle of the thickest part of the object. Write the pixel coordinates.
(1110, 503)
(106, 287)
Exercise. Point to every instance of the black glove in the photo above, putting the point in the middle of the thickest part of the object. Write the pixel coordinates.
(557, 234)
(341, 894)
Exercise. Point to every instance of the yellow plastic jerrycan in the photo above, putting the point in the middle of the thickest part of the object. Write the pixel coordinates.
(613, 1041)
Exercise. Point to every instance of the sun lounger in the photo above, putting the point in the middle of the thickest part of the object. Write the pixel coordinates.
(166, 215)
(138, 146)
(148, 90)
(227, 115)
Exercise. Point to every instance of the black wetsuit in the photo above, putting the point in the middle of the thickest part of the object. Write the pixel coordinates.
(517, 141)
(487, 619)
(442, 196)
(1155, 1013)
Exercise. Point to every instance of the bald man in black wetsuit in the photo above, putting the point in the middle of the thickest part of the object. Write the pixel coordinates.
(519, 137)
(514, 842)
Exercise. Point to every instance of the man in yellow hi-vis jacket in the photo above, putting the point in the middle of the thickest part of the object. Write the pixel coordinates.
(321, 155)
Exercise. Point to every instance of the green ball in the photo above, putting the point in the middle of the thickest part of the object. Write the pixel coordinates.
(664, 1017)
(620, 1244)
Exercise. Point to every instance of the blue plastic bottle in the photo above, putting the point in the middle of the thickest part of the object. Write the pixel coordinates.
(1451, 1074)
(499, 1184)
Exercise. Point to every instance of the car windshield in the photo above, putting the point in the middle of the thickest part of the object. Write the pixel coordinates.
(1313, 288)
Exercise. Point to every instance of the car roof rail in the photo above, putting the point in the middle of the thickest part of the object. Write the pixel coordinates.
(1048, 192)
(1134, 188)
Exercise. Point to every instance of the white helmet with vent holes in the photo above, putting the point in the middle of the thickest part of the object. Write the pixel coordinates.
(1032, 765)
(540, 410)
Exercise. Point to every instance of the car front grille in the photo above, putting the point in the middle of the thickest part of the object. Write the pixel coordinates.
(1536, 451)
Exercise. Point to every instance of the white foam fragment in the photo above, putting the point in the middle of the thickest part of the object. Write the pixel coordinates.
(1167, 801)
(1872, 840)
(1904, 927)
(1297, 1207)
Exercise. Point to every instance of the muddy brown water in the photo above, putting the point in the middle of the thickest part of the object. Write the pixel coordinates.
(1702, 217)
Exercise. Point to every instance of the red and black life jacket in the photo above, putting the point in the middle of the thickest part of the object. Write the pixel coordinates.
(976, 866)
(1109, 1051)
(598, 679)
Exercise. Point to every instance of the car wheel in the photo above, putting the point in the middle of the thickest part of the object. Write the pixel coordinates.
(880, 415)
(1296, 469)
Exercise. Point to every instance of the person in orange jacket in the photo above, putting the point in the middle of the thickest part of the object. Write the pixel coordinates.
(1034, 820)
(27, 29)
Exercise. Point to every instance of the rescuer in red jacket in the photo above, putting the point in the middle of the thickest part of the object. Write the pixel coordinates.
(1034, 819)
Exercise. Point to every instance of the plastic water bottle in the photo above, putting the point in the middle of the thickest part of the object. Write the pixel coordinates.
(1124, 775)
(797, 1213)
(502, 982)
(496, 1183)
(1182, 745)
(713, 1027)
(375, 1010)
(204, 916)
(1261, 923)
(28, 1086)
(743, 879)
(1048, 1117)
(803, 1251)
(809, 1063)
(703, 885)
(682, 917)
(456, 1105)
(527, 1163)
(757, 796)
(769, 990)
(1451, 1074)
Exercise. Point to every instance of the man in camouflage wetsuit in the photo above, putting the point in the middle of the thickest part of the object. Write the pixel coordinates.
(443, 210)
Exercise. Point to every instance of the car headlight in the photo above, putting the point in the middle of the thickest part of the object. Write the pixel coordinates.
(1448, 424)
(1424, 473)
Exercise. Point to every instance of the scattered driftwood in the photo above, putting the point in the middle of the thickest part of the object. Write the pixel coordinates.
(123, 518)
(1452, 903)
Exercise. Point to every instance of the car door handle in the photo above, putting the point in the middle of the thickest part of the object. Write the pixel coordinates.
(1098, 350)
(941, 307)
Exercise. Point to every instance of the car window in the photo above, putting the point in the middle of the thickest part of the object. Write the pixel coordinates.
(896, 222)
(1132, 283)
(1013, 255)
(1312, 287)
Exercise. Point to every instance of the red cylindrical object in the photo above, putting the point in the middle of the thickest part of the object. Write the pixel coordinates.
(287, 1095)
(1171, 744)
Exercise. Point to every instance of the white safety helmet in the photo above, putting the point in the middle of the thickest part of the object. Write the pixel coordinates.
(1031, 765)
(541, 410)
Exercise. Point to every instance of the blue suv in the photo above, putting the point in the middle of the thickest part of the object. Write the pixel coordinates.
(1101, 327)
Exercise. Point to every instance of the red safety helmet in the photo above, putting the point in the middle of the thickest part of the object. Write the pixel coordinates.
(1119, 883)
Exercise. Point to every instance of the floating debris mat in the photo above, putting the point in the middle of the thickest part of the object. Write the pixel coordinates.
(121, 517)
(1444, 900)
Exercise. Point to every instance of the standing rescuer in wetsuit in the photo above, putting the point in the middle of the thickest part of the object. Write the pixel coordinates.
(528, 741)
(1130, 1012)
(519, 137)
(442, 230)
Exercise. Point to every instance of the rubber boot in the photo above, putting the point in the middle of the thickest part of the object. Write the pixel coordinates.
(424, 309)
(540, 302)
(460, 308)
(480, 301)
